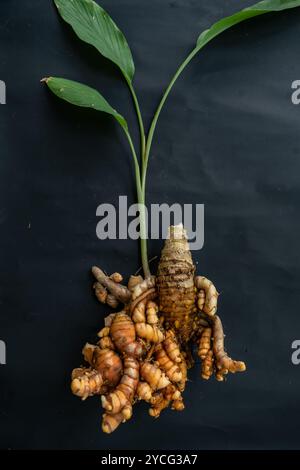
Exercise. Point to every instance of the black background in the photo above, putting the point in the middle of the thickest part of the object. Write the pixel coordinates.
(228, 138)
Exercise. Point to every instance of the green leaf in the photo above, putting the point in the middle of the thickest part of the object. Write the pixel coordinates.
(82, 95)
(93, 25)
(266, 6)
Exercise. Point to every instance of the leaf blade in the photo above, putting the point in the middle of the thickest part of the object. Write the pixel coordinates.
(265, 6)
(93, 25)
(83, 96)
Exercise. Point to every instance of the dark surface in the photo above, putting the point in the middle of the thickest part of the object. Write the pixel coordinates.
(228, 138)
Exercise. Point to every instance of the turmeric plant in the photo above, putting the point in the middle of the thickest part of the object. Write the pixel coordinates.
(145, 349)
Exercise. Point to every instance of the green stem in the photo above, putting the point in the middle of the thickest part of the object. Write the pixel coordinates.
(140, 193)
(139, 116)
(157, 114)
(145, 152)
(141, 202)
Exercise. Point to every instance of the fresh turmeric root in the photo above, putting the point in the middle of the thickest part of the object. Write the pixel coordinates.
(170, 368)
(150, 333)
(123, 394)
(183, 368)
(144, 391)
(144, 352)
(172, 347)
(224, 363)
(207, 295)
(86, 382)
(110, 422)
(162, 400)
(175, 284)
(123, 335)
(207, 365)
(204, 343)
(154, 376)
(105, 371)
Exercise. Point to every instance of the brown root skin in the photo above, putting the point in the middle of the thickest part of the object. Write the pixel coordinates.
(183, 368)
(208, 366)
(104, 332)
(146, 295)
(86, 382)
(143, 287)
(123, 335)
(110, 422)
(123, 394)
(134, 281)
(88, 353)
(109, 363)
(175, 284)
(116, 277)
(204, 343)
(162, 400)
(151, 313)
(220, 374)
(154, 376)
(120, 292)
(178, 405)
(144, 391)
(160, 404)
(150, 333)
(109, 319)
(210, 301)
(138, 314)
(171, 346)
(106, 343)
(105, 361)
(100, 292)
(170, 367)
(224, 363)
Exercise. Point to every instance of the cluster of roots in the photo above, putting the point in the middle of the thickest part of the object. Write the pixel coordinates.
(145, 349)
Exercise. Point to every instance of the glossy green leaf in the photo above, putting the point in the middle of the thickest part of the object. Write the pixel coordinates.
(266, 6)
(82, 95)
(93, 25)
